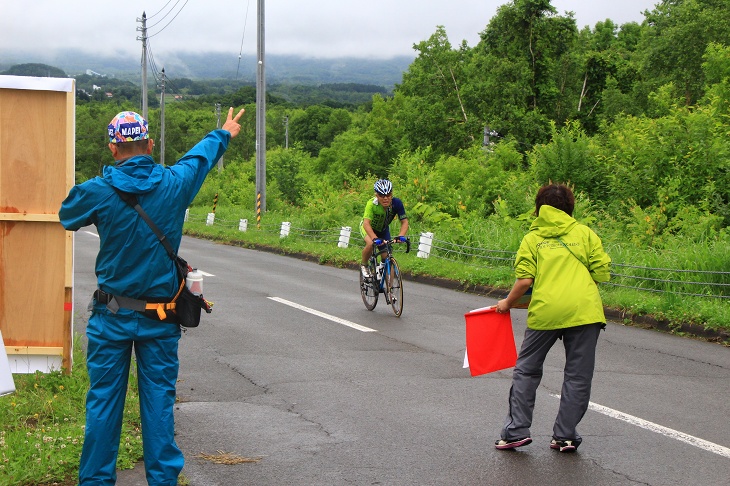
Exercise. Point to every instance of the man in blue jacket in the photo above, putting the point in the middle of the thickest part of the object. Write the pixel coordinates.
(132, 263)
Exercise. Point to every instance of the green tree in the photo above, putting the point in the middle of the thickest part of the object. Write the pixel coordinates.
(437, 115)
(339, 121)
(524, 58)
(623, 90)
(306, 129)
(676, 38)
(353, 153)
(569, 158)
(369, 146)
(717, 75)
(283, 168)
(669, 163)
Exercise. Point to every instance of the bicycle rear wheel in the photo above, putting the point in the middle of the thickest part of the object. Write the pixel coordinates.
(394, 287)
(369, 288)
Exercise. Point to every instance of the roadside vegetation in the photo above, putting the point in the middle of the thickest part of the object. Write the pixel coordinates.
(672, 303)
(42, 426)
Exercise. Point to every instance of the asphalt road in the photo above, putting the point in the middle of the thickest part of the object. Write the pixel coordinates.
(318, 402)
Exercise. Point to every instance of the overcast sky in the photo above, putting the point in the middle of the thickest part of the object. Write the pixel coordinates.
(317, 28)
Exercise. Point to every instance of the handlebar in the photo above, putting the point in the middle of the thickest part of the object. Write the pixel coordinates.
(396, 241)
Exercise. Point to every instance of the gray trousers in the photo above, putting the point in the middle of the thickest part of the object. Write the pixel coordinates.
(580, 358)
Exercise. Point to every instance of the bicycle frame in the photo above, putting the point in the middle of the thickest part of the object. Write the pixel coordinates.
(385, 257)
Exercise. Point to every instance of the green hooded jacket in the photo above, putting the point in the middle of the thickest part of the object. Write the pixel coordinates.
(566, 259)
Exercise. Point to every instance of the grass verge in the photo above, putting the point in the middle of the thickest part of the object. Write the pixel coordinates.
(42, 426)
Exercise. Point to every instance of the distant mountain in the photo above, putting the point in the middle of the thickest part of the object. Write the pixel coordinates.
(279, 69)
(36, 70)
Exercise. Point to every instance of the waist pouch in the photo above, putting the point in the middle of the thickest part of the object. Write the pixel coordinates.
(183, 309)
(187, 304)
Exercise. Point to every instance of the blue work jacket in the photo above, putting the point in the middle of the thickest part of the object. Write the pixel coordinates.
(131, 261)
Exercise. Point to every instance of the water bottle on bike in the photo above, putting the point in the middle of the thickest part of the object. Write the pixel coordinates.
(379, 272)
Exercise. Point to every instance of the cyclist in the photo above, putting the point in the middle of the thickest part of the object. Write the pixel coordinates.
(375, 224)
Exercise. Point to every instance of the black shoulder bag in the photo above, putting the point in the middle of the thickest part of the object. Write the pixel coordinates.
(187, 305)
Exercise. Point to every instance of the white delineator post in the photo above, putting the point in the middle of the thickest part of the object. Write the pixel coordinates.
(210, 219)
(424, 245)
(242, 225)
(344, 241)
(285, 227)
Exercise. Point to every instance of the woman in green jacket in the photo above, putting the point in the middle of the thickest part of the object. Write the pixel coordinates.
(562, 260)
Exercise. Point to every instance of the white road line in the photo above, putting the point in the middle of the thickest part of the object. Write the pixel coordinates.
(659, 429)
(90, 233)
(323, 315)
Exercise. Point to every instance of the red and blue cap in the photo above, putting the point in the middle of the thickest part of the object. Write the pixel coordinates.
(127, 126)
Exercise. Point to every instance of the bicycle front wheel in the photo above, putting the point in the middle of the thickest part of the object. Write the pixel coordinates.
(394, 287)
(369, 289)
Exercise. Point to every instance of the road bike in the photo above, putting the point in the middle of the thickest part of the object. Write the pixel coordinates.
(385, 278)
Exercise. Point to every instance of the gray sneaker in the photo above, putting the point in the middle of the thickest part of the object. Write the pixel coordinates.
(365, 272)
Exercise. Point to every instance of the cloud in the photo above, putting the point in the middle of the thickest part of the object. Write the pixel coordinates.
(318, 28)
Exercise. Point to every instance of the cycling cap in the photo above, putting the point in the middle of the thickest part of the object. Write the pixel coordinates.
(383, 187)
(127, 126)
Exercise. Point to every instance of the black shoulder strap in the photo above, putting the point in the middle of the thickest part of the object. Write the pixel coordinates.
(132, 200)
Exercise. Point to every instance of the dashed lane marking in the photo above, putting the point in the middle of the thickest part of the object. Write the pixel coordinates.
(315, 312)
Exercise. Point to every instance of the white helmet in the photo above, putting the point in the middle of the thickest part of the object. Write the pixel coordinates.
(383, 187)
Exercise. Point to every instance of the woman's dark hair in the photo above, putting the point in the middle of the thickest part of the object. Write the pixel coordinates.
(558, 196)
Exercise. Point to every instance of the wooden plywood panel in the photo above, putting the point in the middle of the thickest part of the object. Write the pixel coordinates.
(32, 256)
(32, 151)
(36, 253)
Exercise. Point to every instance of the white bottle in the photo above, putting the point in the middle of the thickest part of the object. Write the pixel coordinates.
(379, 271)
(194, 281)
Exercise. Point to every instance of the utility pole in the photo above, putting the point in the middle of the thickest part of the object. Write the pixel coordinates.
(488, 132)
(143, 29)
(260, 115)
(162, 120)
(218, 125)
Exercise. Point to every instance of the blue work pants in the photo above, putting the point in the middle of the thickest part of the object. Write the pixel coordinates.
(111, 339)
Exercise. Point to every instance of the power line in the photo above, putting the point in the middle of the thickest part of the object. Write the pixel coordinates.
(169, 83)
(168, 12)
(171, 20)
(240, 52)
(163, 8)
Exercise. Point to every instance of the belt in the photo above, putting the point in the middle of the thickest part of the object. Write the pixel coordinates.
(116, 302)
(102, 297)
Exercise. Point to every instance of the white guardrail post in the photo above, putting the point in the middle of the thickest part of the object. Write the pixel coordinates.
(210, 219)
(344, 237)
(285, 227)
(424, 245)
(242, 225)
(187, 214)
